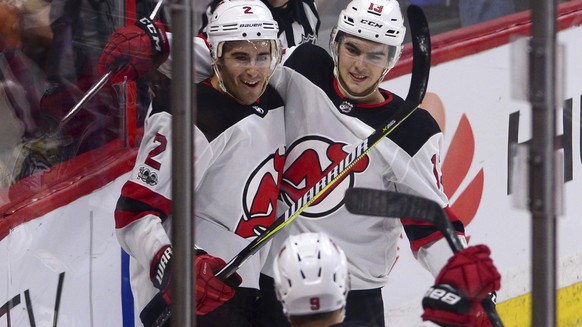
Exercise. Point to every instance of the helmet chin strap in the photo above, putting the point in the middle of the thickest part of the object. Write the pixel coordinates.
(333, 45)
(353, 96)
(275, 47)
(221, 83)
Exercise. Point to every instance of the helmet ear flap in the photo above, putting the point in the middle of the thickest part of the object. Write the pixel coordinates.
(277, 52)
(335, 40)
(216, 51)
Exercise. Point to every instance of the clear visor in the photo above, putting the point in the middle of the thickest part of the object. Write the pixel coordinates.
(371, 53)
(262, 54)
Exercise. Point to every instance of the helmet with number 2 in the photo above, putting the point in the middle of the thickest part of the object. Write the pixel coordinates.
(243, 20)
(311, 275)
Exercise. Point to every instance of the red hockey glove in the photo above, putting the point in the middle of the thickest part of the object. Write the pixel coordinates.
(211, 292)
(467, 278)
(472, 272)
(135, 50)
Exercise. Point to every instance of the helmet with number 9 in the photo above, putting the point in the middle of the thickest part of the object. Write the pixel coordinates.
(311, 275)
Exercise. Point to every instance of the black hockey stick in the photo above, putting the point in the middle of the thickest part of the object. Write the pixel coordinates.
(371, 202)
(419, 80)
(382, 203)
(416, 92)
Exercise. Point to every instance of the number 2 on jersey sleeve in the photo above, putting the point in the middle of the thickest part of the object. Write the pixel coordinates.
(161, 147)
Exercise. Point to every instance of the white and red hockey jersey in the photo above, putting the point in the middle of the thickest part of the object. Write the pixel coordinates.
(239, 157)
(322, 127)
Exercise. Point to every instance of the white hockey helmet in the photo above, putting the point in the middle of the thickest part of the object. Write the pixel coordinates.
(373, 20)
(311, 275)
(242, 20)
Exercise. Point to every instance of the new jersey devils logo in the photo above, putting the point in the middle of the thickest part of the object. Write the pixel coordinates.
(260, 196)
(309, 160)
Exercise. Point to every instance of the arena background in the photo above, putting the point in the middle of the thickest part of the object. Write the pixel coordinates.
(61, 264)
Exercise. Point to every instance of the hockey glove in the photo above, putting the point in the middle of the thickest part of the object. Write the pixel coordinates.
(467, 278)
(211, 292)
(161, 273)
(135, 50)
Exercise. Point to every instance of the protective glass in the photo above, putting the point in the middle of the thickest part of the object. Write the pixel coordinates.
(249, 54)
(381, 56)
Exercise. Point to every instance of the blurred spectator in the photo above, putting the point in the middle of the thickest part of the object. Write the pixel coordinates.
(21, 86)
(80, 30)
(46, 65)
(442, 15)
(446, 15)
(16, 67)
(12, 131)
(478, 11)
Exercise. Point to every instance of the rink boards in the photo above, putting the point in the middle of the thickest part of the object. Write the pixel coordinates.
(62, 265)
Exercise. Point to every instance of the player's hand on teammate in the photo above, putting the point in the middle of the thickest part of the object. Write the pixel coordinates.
(212, 292)
(135, 50)
(467, 278)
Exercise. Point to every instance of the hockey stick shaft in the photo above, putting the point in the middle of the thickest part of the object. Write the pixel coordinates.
(382, 203)
(416, 92)
(86, 97)
(102, 81)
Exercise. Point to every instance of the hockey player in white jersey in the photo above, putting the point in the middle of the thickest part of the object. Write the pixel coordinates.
(312, 282)
(239, 156)
(337, 105)
(336, 102)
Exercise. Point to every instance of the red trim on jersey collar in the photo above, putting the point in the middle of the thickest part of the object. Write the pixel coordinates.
(203, 36)
(207, 82)
(388, 97)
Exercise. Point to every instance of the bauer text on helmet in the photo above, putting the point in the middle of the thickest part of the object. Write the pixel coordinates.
(241, 20)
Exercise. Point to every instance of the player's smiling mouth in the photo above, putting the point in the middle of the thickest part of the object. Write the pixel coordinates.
(358, 78)
(251, 84)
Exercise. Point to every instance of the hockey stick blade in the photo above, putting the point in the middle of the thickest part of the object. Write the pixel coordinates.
(371, 202)
(417, 90)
